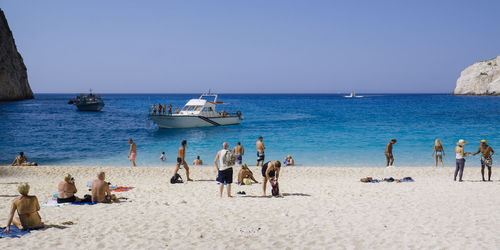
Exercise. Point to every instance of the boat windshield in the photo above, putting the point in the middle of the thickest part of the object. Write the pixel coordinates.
(192, 108)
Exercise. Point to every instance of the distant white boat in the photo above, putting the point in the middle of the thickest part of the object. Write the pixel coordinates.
(353, 95)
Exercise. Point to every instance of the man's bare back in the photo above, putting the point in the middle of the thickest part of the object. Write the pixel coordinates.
(238, 150)
(388, 148)
(100, 189)
(260, 146)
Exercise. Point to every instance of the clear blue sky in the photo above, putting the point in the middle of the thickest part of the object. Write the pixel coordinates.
(251, 46)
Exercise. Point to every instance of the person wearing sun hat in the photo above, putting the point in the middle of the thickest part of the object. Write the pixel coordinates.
(460, 158)
(486, 160)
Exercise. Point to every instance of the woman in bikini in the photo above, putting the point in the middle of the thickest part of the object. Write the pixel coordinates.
(27, 208)
(439, 151)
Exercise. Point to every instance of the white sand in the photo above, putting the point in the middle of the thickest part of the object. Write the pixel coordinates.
(322, 208)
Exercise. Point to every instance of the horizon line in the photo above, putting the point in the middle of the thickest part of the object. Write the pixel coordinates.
(256, 93)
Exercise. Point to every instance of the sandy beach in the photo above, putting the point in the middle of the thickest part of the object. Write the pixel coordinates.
(322, 207)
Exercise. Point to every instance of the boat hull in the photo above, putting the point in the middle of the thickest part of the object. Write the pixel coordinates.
(176, 121)
(90, 107)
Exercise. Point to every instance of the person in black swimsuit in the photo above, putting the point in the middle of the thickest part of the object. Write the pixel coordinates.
(270, 172)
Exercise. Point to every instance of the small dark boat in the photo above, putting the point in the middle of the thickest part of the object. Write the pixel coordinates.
(90, 102)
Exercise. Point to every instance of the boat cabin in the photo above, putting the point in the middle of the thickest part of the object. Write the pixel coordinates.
(201, 106)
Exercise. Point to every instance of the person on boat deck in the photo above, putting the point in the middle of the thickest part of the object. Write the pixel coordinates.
(439, 151)
(486, 160)
(154, 109)
(198, 161)
(169, 109)
(27, 207)
(239, 151)
(289, 161)
(271, 173)
(100, 190)
(160, 107)
(21, 160)
(67, 190)
(164, 108)
(177, 110)
(245, 173)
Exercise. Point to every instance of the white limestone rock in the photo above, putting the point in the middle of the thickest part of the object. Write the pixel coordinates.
(481, 78)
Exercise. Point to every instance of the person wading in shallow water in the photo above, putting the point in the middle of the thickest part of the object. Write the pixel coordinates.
(486, 158)
(133, 152)
(388, 152)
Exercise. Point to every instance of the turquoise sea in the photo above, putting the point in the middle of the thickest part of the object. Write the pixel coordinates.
(316, 129)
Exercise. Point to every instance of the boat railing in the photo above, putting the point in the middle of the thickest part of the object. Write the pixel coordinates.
(222, 113)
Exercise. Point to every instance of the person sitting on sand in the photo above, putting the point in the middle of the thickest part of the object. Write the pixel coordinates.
(270, 172)
(486, 160)
(388, 152)
(67, 190)
(439, 151)
(289, 161)
(245, 173)
(197, 161)
(460, 159)
(100, 190)
(27, 207)
(21, 160)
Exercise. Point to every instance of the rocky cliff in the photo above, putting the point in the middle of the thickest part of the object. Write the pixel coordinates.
(13, 75)
(481, 78)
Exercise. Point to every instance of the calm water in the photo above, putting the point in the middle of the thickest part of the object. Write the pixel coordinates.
(315, 129)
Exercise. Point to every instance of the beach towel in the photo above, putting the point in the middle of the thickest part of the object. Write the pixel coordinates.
(14, 232)
(120, 188)
(53, 203)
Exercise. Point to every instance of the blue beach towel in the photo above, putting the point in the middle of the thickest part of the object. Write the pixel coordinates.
(84, 203)
(14, 232)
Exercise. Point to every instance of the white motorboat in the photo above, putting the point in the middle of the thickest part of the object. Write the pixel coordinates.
(353, 95)
(199, 112)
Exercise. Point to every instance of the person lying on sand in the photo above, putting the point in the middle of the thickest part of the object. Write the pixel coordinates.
(27, 207)
(67, 190)
(100, 190)
(21, 160)
(271, 173)
(245, 173)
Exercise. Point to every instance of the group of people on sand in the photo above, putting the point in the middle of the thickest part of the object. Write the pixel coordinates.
(27, 206)
(162, 109)
(486, 151)
(226, 159)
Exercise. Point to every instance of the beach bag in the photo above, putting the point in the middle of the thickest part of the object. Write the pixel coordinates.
(276, 189)
(176, 179)
(229, 158)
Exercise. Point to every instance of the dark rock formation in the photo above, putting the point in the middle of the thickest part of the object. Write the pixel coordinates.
(13, 75)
